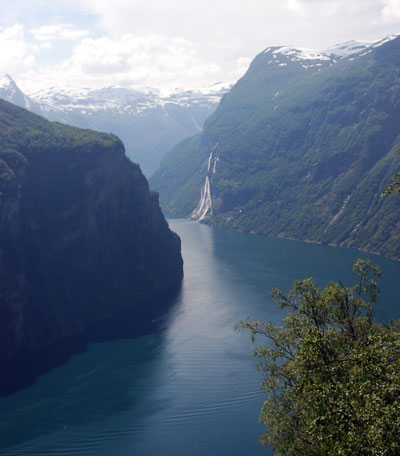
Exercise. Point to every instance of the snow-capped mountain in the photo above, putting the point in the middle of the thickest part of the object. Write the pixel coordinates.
(10, 91)
(128, 100)
(148, 121)
(311, 58)
(347, 49)
(151, 121)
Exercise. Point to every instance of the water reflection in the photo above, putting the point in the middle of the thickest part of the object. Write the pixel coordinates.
(191, 387)
(143, 319)
(106, 380)
(264, 263)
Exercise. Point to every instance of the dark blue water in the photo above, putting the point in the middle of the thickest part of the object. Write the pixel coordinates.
(191, 388)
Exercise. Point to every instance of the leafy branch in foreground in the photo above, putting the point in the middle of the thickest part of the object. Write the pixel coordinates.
(331, 371)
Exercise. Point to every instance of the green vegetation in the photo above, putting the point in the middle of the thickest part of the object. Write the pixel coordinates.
(81, 237)
(301, 153)
(331, 371)
(395, 185)
(25, 137)
(21, 130)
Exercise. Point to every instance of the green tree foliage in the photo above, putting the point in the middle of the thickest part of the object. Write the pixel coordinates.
(395, 185)
(332, 372)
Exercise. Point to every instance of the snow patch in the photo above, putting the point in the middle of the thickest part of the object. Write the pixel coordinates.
(333, 53)
(299, 54)
(348, 48)
(134, 101)
(385, 40)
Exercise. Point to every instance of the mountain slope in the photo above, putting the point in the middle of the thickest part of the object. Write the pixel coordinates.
(148, 121)
(301, 147)
(9, 91)
(81, 236)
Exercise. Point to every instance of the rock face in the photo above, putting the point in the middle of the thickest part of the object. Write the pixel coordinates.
(81, 236)
(301, 148)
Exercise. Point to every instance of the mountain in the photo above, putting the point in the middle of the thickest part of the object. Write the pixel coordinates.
(148, 121)
(82, 238)
(10, 91)
(301, 147)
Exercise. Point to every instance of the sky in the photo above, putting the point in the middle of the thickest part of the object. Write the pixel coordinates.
(170, 43)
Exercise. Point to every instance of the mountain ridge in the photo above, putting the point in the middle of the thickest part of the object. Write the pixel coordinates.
(299, 148)
(148, 121)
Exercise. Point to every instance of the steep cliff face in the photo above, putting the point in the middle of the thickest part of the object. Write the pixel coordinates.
(81, 236)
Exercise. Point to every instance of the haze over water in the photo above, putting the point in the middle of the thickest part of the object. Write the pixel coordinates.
(189, 388)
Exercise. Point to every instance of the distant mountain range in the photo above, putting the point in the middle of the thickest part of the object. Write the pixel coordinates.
(301, 147)
(148, 121)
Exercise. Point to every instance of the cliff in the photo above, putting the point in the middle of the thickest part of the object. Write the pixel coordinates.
(81, 236)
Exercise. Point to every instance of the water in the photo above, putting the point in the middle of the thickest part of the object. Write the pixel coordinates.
(190, 388)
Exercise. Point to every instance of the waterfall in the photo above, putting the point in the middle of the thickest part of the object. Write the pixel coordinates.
(204, 208)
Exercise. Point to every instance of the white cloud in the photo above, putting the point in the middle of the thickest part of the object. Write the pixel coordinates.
(178, 42)
(147, 60)
(151, 60)
(16, 52)
(242, 65)
(391, 10)
(331, 7)
(253, 25)
(58, 32)
(295, 5)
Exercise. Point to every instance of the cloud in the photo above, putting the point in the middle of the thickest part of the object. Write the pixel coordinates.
(331, 7)
(296, 5)
(16, 52)
(174, 43)
(242, 64)
(144, 59)
(252, 25)
(391, 10)
(152, 60)
(58, 32)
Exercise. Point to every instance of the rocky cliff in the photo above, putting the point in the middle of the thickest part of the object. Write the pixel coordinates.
(81, 236)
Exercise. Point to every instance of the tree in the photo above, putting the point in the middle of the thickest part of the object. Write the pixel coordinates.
(395, 185)
(331, 371)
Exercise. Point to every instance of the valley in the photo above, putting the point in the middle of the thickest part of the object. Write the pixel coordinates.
(142, 226)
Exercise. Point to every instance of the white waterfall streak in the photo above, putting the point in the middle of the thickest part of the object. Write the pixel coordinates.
(209, 161)
(335, 217)
(204, 208)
